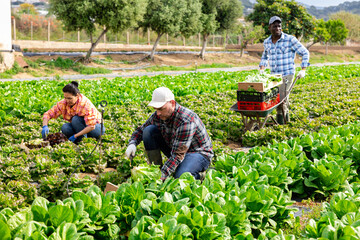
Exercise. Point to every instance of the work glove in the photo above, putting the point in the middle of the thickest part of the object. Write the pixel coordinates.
(130, 151)
(261, 71)
(301, 74)
(72, 138)
(45, 131)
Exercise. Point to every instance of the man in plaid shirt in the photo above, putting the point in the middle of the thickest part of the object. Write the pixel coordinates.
(279, 51)
(177, 132)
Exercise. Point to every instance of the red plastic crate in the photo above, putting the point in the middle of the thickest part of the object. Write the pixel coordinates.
(244, 105)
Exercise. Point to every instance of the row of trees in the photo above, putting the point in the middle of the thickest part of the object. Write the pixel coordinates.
(190, 17)
(172, 17)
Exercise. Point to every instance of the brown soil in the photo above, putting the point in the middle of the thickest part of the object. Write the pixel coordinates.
(314, 210)
(165, 60)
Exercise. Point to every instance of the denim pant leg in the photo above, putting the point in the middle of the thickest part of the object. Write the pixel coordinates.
(78, 124)
(67, 130)
(153, 140)
(192, 163)
(96, 132)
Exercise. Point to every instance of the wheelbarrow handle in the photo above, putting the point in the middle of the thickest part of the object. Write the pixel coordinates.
(290, 89)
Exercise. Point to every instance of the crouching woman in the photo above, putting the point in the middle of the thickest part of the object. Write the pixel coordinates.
(84, 119)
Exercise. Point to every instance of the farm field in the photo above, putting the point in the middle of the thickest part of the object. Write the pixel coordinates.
(244, 195)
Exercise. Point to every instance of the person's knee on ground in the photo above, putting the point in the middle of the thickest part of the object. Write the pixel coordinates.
(195, 164)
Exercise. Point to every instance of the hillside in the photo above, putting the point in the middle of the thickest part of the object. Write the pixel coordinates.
(353, 7)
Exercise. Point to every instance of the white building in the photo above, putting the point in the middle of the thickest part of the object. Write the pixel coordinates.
(6, 54)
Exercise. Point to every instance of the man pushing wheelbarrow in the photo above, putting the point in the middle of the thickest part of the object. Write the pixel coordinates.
(279, 51)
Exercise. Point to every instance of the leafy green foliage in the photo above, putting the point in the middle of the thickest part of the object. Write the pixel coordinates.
(14, 70)
(228, 13)
(67, 64)
(248, 33)
(113, 15)
(351, 21)
(246, 196)
(218, 15)
(320, 33)
(191, 24)
(337, 30)
(172, 17)
(295, 18)
(144, 172)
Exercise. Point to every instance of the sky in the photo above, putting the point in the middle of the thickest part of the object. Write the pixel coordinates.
(323, 3)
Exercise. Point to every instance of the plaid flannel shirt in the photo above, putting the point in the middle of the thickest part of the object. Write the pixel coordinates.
(82, 108)
(281, 55)
(184, 133)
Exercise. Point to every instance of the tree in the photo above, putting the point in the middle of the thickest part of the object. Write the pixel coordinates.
(191, 23)
(352, 23)
(248, 33)
(219, 16)
(27, 8)
(228, 13)
(87, 15)
(329, 31)
(295, 19)
(337, 31)
(172, 17)
(208, 19)
(320, 33)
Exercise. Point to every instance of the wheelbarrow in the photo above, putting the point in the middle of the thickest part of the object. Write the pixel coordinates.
(254, 120)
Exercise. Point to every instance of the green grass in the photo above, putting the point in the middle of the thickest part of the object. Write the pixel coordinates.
(165, 68)
(63, 65)
(108, 58)
(322, 58)
(32, 64)
(98, 61)
(91, 70)
(11, 72)
(34, 73)
(216, 65)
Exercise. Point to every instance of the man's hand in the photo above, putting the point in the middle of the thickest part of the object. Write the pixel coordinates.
(261, 71)
(44, 131)
(301, 74)
(72, 138)
(130, 151)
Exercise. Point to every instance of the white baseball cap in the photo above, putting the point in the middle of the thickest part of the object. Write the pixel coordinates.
(161, 96)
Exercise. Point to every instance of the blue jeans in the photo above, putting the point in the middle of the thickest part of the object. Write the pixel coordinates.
(192, 163)
(76, 125)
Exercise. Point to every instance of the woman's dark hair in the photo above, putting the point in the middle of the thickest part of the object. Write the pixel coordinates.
(72, 88)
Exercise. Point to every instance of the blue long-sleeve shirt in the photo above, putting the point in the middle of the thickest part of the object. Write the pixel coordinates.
(281, 55)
